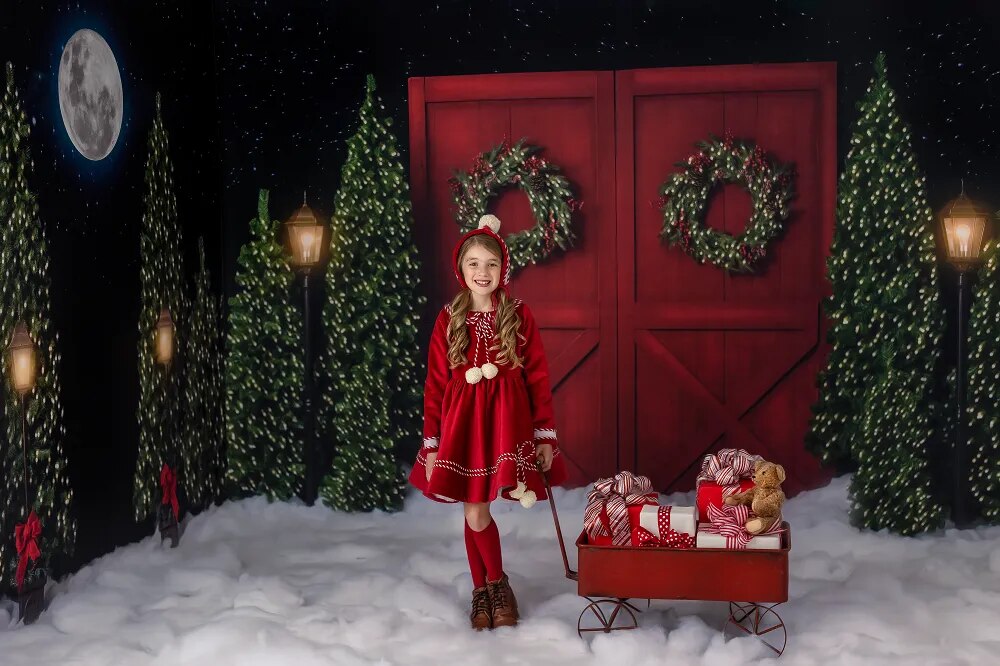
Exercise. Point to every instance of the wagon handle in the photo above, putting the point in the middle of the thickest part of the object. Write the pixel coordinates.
(572, 575)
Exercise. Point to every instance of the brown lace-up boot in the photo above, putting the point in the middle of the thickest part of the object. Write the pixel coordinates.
(482, 610)
(503, 603)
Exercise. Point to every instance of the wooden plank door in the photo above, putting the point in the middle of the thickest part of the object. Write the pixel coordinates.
(709, 360)
(570, 115)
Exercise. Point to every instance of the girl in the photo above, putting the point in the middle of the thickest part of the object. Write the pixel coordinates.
(487, 413)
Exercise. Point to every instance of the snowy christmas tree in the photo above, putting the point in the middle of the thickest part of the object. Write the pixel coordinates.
(891, 489)
(264, 370)
(25, 296)
(886, 324)
(205, 392)
(983, 399)
(161, 275)
(371, 358)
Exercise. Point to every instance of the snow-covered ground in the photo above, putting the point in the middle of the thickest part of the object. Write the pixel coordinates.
(257, 583)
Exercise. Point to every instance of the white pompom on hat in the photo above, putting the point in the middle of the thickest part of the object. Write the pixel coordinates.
(491, 221)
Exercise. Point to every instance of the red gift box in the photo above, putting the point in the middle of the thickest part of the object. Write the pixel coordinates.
(710, 493)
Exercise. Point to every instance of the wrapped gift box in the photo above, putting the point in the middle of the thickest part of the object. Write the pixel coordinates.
(672, 526)
(606, 518)
(710, 493)
(761, 542)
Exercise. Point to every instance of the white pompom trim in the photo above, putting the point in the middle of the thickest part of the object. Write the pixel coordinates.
(489, 370)
(519, 491)
(528, 499)
(473, 375)
(491, 221)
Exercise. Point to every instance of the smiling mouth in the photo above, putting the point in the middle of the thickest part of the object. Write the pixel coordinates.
(483, 283)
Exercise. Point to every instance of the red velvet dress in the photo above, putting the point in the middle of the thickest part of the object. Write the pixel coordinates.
(485, 433)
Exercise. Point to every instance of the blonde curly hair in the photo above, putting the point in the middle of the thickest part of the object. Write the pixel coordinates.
(507, 321)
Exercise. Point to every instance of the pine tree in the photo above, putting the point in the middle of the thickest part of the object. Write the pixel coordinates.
(264, 370)
(892, 488)
(371, 317)
(884, 276)
(983, 399)
(204, 392)
(161, 275)
(25, 296)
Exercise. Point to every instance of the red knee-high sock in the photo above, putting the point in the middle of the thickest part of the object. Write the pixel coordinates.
(476, 564)
(489, 548)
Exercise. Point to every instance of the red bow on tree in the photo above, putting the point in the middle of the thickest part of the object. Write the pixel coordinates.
(168, 484)
(26, 540)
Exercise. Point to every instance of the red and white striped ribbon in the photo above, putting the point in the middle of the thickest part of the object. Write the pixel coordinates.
(607, 506)
(728, 466)
(730, 522)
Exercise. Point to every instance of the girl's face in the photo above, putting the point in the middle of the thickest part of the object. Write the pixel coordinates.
(481, 270)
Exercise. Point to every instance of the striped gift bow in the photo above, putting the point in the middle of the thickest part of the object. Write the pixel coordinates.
(730, 522)
(608, 502)
(728, 466)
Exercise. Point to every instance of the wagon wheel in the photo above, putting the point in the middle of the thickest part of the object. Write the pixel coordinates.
(604, 613)
(750, 619)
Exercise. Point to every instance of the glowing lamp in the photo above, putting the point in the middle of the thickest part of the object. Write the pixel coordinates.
(22, 359)
(306, 237)
(164, 338)
(964, 226)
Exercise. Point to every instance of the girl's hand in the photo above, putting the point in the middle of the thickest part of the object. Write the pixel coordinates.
(429, 465)
(543, 454)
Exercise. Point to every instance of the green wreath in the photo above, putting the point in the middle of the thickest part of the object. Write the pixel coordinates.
(549, 195)
(684, 197)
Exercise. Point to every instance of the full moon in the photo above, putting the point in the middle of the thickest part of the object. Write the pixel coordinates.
(90, 94)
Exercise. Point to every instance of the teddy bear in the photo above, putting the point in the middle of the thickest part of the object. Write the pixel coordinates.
(765, 498)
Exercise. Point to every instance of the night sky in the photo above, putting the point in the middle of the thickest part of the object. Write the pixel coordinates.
(264, 94)
(92, 212)
(294, 72)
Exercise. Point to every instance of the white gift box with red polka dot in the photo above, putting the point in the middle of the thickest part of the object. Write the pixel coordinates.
(662, 522)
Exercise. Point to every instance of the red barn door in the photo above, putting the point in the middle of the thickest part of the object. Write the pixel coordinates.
(571, 116)
(707, 359)
(655, 359)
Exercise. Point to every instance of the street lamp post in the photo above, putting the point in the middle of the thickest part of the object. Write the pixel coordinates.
(24, 364)
(307, 238)
(964, 224)
(166, 515)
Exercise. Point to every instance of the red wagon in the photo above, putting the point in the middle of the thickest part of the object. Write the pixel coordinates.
(754, 582)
